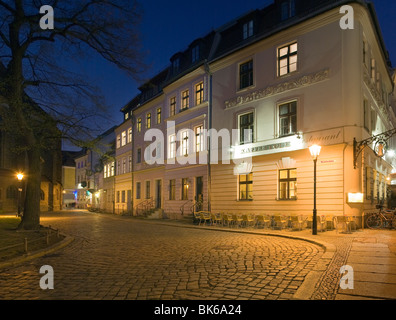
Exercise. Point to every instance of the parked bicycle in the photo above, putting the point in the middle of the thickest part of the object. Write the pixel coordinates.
(381, 219)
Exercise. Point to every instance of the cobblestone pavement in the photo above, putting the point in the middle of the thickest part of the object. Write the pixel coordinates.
(125, 258)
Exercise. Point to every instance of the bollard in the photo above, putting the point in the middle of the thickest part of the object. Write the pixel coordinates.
(26, 245)
(48, 235)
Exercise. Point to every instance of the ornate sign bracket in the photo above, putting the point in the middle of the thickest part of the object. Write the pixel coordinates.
(380, 141)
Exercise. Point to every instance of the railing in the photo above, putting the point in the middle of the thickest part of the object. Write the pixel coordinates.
(195, 206)
(50, 233)
(143, 207)
(182, 207)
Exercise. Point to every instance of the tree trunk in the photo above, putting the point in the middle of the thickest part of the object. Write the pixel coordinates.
(31, 212)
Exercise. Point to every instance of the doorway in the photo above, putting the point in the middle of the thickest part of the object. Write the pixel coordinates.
(158, 194)
(199, 193)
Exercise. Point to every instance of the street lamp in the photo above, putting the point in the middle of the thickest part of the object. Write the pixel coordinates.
(19, 177)
(315, 150)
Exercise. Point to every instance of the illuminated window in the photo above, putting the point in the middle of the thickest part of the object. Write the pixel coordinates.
(118, 141)
(185, 100)
(184, 143)
(199, 93)
(246, 74)
(129, 135)
(172, 106)
(199, 139)
(288, 118)
(148, 120)
(288, 184)
(139, 125)
(184, 189)
(123, 138)
(172, 146)
(158, 115)
(287, 59)
(246, 186)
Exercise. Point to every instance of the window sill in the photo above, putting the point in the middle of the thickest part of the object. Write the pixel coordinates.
(294, 199)
(244, 200)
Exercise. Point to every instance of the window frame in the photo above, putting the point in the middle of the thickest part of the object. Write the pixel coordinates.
(248, 29)
(199, 138)
(241, 132)
(148, 120)
(199, 93)
(159, 115)
(139, 125)
(248, 181)
(246, 74)
(185, 99)
(172, 106)
(172, 189)
(289, 116)
(287, 57)
(287, 180)
(184, 189)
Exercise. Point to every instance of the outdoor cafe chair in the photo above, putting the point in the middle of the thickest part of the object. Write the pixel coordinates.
(279, 221)
(247, 220)
(344, 222)
(236, 220)
(296, 222)
(205, 217)
(216, 218)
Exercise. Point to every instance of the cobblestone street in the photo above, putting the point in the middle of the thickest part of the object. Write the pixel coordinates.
(124, 258)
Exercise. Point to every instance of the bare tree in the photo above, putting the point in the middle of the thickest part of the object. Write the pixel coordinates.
(45, 101)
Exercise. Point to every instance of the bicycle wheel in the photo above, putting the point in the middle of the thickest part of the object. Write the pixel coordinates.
(374, 221)
(394, 221)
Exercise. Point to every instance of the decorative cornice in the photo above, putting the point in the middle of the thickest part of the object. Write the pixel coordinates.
(282, 87)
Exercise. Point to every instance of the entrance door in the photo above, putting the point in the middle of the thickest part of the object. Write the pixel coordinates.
(129, 200)
(199, 193)
(158, 193)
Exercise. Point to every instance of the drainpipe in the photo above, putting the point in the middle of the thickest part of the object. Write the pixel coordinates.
(207, 70)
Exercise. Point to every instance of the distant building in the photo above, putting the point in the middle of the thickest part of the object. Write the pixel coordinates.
(69, 193)
(89, 170)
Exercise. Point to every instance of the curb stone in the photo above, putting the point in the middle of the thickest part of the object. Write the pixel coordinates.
(38, 253)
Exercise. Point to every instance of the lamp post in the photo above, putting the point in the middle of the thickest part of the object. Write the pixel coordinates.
(19, 177)
(315, 150)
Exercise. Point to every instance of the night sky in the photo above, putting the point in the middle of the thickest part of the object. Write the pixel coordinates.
(170, 26)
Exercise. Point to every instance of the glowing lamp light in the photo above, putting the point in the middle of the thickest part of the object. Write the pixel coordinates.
(315, 151)
(19, 176)
(355, 197)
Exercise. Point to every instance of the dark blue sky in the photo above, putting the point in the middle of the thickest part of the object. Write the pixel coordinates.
(170, 26)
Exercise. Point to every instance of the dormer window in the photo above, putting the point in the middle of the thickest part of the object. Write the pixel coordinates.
(176, 65)
(195, 54)
(247, 29)
(288, 9)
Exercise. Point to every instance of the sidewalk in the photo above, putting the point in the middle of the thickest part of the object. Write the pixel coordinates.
(371, 254)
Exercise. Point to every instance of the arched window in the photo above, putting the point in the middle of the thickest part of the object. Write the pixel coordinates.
(42, 194)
